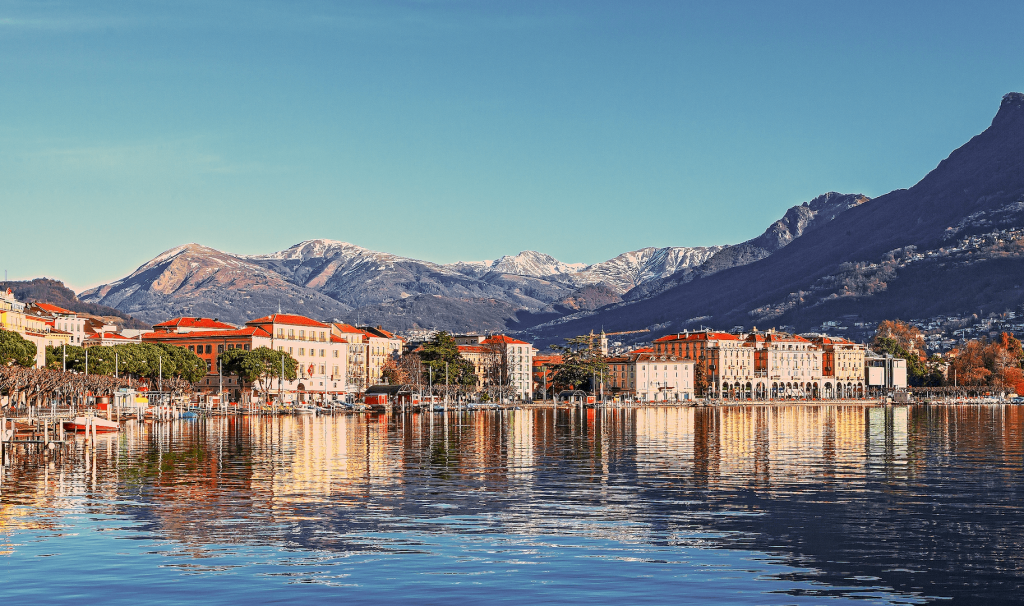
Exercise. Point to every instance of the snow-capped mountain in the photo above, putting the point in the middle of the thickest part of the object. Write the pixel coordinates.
(329, 278)
(637, 267)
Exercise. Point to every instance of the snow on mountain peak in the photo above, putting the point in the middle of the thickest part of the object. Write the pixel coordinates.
(533, 263)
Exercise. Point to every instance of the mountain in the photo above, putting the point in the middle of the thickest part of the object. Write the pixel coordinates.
(797, 221)
(952, 243)
(327, 279)
(46, 290)
(194, 280)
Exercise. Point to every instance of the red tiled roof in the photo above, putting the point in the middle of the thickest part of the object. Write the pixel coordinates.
(287, 319)
(107, 335)
(185, 322)
(503, 339)
(643, 350)
(249, 331)
(337, 339)
(699, 336)
(348, 328)
(473, 349)
(547, 359)
(53, 308)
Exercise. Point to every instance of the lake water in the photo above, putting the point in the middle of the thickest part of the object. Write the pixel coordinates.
(743, 505)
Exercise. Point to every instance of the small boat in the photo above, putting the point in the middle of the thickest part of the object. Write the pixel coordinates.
(83, 423)
(189, 414)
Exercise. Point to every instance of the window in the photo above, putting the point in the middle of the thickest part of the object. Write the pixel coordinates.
(289, 351)
(323, 354)
(220, 349)
(302, 351)
(335, 353)
(291, 333)
(191, 348)
(280, 333)
(302, 334)
(209, 349)
(246, 347)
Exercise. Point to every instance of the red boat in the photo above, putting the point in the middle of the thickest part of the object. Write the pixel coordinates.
(84, 423)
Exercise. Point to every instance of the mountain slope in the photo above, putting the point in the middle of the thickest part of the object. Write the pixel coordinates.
(196, 280)
(876, 258)
(797, 221)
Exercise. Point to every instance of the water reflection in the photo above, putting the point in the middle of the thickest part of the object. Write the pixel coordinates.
(893, 503)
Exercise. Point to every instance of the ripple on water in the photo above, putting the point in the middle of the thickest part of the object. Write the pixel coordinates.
(745, 505)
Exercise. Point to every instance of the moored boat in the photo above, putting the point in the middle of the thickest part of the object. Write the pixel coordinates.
(84, 423)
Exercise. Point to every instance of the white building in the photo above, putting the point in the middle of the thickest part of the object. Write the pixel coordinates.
(519, 365)
(651, 377)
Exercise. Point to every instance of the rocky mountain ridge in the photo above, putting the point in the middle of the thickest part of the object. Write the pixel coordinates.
(333, 279)
(951, 244)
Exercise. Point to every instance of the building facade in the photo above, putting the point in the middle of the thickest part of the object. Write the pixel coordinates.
(649, 377)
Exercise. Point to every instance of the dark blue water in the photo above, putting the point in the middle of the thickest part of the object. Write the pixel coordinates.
(747, 505)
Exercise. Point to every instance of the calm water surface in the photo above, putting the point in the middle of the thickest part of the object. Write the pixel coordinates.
(746, 505)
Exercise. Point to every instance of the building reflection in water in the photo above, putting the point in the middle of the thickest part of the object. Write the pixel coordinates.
(643, 475)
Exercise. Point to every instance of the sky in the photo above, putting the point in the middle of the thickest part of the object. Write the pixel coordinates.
(451, 130)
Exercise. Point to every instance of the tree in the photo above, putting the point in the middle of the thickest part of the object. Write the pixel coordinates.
(16, 350)
(700, 380)
(259, 366)
(902, 340)
(497, 378)
(906, 336)
(442, 353)
(996, 364)
(582, 364)
(393, 373)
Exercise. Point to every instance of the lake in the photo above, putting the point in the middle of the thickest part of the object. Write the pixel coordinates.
(736, 505)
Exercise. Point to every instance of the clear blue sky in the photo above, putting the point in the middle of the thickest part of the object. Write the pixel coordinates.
(451, 130)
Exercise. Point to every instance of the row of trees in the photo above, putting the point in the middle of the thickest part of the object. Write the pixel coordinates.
(137, 360)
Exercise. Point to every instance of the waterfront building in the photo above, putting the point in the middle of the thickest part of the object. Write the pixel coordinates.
(518, 363)
(358, 358)
(13, 317)
(381, 346)
(650, 377)
(794, 366)
(727, 360)
(770, 365)
(886, 372)
(500, 359)
(61, 319)
(321, 354)
(842, 367)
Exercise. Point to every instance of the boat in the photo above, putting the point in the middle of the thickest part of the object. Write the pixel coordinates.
(84, 423)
